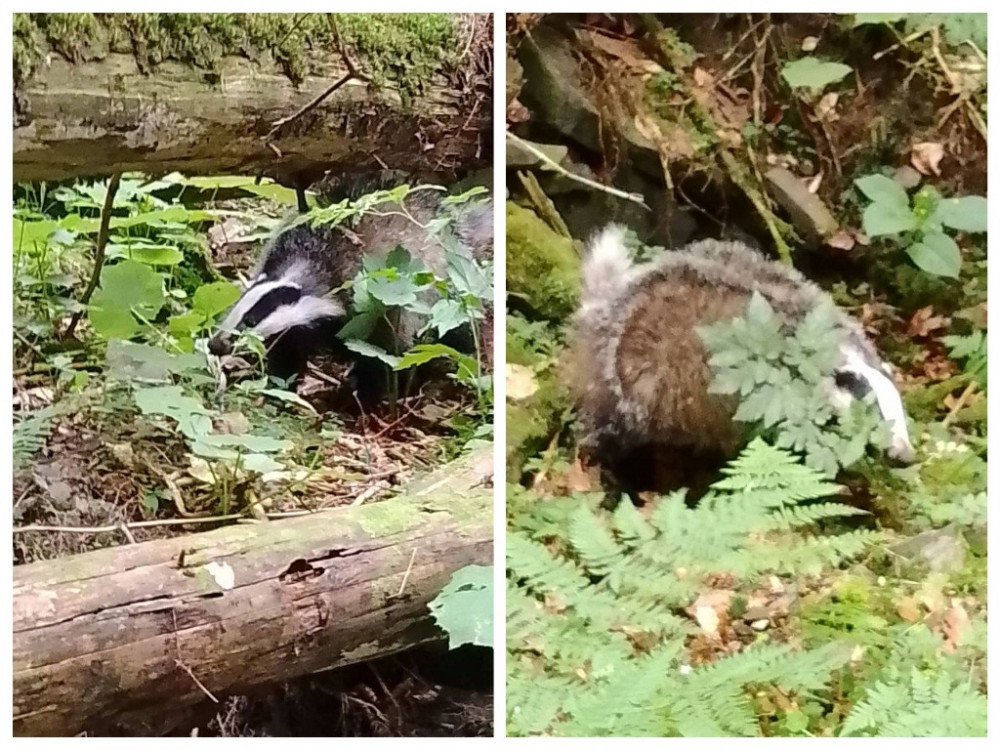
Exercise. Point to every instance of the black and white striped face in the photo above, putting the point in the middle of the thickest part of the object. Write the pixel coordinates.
(270, 308)
(856, 378)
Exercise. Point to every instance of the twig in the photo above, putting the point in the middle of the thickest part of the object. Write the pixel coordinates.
(350, 75)
(197, 682)
(969, 390)
(406, 575)
(634, 197)
(102, 243)
(902, 42)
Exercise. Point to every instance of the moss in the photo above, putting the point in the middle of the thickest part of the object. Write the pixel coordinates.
(403, 48)
(543, 268)
(532, 421)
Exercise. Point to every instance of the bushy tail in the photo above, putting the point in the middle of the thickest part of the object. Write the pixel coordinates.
(607, 265)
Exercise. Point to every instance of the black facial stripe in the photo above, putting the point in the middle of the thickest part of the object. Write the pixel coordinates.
(853, 383)
(282, 295)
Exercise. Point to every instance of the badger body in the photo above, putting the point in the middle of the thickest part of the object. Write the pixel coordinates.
(643, 369)
(295, 300)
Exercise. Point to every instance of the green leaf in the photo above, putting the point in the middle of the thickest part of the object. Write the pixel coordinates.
(393, 292)
(192, 418)
(882, 189)
(966, 214)
(422, 353)
(151, 255)
(446, 315)
(360, 326)
(464, 608)
(882, 218)
(125, 287)
(212, 299)
(937, 254)
(370, 350)
(289, 397)
(127, 360)
(187, 324)
(813, 73)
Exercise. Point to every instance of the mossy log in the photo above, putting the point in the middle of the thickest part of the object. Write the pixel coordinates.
(95, 115)
(119, 636)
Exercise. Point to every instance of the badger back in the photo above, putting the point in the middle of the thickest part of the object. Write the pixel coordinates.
(645, 369)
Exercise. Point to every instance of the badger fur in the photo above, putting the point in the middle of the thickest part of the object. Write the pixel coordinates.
(295, 300)
(643, 367)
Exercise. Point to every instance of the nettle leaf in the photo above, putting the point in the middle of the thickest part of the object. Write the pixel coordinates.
(127, 360)
(882, 189)
(370, 350)
(212, 299)
(881, 218)
(966, 214)
(464, 608)
(192, 418)
(185, 325)
(422, 353)
(150, 254)
(289, 397)
(125, 287)
(467, 276)
(813, 73)
(937, 254)
(360, 326)
(446, 315)
(397, 292)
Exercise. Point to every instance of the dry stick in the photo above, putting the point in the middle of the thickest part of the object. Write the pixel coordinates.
(634, 197)
(102, 243)
(33, 528)
(308, 107)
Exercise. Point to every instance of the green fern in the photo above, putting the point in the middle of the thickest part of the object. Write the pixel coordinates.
(31, 433)
(595, 641)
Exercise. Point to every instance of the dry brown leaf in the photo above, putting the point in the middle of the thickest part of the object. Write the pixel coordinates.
(626, 50)
(908, 609)
(826, 108)
(956, 623)
(926, 157)
(841, 240)
(924, 322)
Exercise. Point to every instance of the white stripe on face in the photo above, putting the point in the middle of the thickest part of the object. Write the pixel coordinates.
(889, 402)
(305, 311)
(250, 298)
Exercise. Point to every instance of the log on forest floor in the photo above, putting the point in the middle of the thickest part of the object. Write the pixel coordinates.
(119, 635)
(94, 117)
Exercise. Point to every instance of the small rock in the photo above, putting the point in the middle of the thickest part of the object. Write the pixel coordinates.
(760, 625)
(810, 216)
(943, 550)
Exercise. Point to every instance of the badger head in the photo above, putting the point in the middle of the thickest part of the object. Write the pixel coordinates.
(860, 374)
(272, 308)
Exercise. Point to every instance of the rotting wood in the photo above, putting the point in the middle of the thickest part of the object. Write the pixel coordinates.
(103, 116)
(119, 636)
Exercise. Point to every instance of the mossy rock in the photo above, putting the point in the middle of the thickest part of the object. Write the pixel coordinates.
(531, 422)
(543, 268)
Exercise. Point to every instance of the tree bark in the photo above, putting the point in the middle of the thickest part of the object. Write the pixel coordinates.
(119, 635)
(94, 118)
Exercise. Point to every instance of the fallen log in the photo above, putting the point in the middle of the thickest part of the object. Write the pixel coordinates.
(116, 636)
(96, 103)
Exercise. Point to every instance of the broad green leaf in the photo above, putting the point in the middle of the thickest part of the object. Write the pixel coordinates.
(422, 353)
(393, 292)
(193, 419)
(152, 255)
(127, 360)
(966, 214)
(937, 254)
(360, 326)
(212, 299)
(464, 608)
(446, 315)
(813, 73)
(882, 189)
(370, 350)
(186, 324)
(288, 396)
(125, 287)
(882, 218)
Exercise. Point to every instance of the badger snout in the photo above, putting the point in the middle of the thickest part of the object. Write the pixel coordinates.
(220, 345)
(902, 451)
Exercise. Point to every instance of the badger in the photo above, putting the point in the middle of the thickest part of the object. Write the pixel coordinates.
(296, 300)
(642, 367)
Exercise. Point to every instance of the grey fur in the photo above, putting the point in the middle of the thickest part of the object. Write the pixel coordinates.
(649, 391)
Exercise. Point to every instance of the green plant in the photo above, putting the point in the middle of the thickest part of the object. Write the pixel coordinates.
(813, 73)
(919, 226)
(781, 377)
(595, 642)
(464, 608)
(972, 349)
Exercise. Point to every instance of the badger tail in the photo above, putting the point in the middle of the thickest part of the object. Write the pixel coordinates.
(607, 265)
